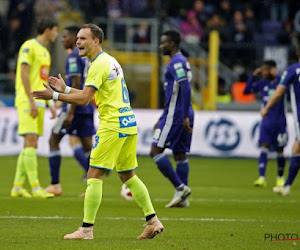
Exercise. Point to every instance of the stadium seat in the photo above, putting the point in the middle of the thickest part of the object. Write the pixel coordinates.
(238, 96)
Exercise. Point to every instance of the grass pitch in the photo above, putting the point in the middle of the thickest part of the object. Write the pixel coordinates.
(226, 211)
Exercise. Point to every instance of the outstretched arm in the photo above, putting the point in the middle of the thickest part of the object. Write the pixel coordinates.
(76, 96)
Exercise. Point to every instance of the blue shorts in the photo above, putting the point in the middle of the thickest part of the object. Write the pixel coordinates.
(82, 125)
(173, 137)
(274, 134)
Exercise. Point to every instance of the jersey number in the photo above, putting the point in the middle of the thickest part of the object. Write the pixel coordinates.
(125, 94)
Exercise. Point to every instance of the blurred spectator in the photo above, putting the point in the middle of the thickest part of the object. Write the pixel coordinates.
(141, 34)
(225, 10)
(3, 62)
(279, 10)
(23, 9)
(48, 8)
(114, 9)
(191, 29)
(201, 14)
(239, 32)
(15, 36)
(250, 20)
(286, 35)
(224, 96)
(93, 9)
(215, 22)
(133, 8)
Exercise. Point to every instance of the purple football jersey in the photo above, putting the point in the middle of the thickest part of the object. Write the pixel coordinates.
(266, 88)
(291, 79)
(177, 91)
(78, 66)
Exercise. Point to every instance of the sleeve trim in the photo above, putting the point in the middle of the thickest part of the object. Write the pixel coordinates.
(90, 85)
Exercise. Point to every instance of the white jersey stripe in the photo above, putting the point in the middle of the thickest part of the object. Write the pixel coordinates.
(295, 113)
(60, 122)
(170, 116)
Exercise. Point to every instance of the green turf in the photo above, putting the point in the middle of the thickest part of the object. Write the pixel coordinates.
(226, 211)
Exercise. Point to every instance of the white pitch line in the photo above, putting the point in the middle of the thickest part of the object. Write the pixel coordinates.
(221, 200)
(163, 219)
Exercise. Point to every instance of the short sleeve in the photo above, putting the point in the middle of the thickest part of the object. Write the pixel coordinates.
(178, 71)
(26, 54)
(286, 77)
(97, 75)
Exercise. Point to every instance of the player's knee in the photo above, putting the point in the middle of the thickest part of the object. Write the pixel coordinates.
(179, 156)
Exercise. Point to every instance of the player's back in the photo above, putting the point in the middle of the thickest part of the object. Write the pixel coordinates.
(38, 58)
(111, 97)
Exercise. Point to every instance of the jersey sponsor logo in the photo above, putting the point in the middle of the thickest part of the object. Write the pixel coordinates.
(125, 109)
(180, 73)
(73, 67)
(44, 72)
(283, 76)
(127, 121)
(222, 134)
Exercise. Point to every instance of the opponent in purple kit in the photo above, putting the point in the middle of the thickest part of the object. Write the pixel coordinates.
(273, 134)
(290, 79)
(73, 120)
(174, 128)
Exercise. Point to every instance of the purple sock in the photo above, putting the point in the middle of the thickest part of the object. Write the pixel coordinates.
(280, 164)
(81, 157)
(165, 166)
(293, 170)
(262, 162)
(182, 170)
(54, 163)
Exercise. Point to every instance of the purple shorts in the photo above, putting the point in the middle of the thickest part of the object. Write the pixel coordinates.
(173, 137)
(274, 134)
(82, 125)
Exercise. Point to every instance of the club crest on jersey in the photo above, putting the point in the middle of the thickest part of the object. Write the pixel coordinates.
(127, 121)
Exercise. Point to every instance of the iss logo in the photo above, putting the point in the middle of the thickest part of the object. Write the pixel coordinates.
(222, 134)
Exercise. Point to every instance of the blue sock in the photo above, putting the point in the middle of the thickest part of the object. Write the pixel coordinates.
(165, 166)
(81, 157)
(293, 169)
(280, 163)
(54, 163)
(182, 170)
(262, 162)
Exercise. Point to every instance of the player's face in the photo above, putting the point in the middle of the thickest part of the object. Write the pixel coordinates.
(53, 33)
(265, 71)
(67, 40)
(85, 42)
(165, 45)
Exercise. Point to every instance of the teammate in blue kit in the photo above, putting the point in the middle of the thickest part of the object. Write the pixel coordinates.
(290, 80)
(73, 120)
(175, 126)
(273, 134)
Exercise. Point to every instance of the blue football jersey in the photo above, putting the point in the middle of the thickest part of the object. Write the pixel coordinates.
(78, 66)
(177, 88)
(291, 79)
(266, 88)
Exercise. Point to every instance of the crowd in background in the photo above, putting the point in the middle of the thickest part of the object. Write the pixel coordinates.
(242, 25)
